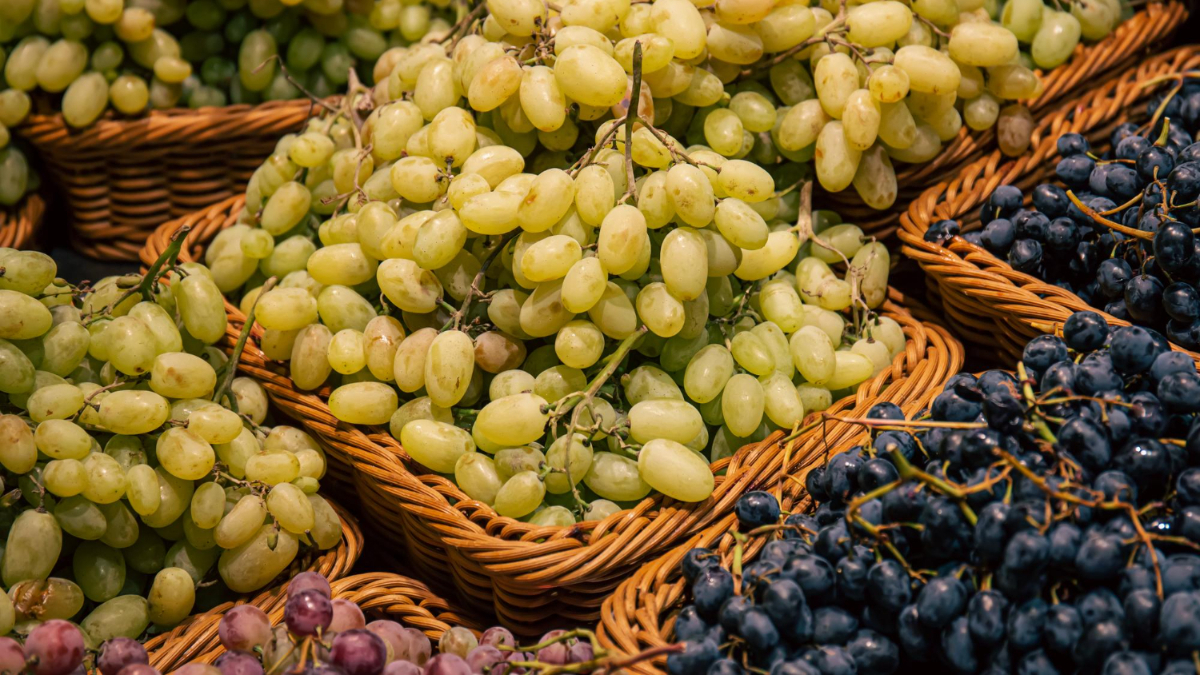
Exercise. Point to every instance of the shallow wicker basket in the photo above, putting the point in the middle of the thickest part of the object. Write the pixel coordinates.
(123, 177)
(198, 633)
(378, 594)
(19, 226)
(538, 577)
(1089, 66)
(985, 299)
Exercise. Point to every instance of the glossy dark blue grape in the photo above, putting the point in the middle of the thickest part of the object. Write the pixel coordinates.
(755, 509)
(998, 236)
(1075, 170)
(1072, 144)
(942, 231)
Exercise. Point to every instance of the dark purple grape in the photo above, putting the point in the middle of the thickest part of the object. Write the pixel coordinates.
(497, 636)
(309, 581)
(243, 628)
(308, 612)
(359, 652)
(119, 652)
(238, 663)
(54, 648)
(346, 615)
(447, 664)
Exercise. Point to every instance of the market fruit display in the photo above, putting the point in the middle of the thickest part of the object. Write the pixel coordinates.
(141, 479)
(1116, 229)
(1041, 521)
(131, 56)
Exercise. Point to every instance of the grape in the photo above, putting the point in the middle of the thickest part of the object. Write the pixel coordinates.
(308, 612)
(54, 648)
(119, 652)
(234, 663)
(245, 627)
(358, 652)
(447, 664)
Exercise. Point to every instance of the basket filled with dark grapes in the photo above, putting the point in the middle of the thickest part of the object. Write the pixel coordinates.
(1039, 520)
(1095, 217)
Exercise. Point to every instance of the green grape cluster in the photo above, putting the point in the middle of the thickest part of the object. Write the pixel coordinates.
(564, 340)
(137, 55)
(140, 467)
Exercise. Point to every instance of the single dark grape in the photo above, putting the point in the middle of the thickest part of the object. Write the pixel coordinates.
(119, 652)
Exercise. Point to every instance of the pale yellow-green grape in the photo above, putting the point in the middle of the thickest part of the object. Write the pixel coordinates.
(1055, 39)
(64, 477)
(241, 522)
(542, 314)
(161, 324)
(408, 286)
(781, 248)
(662, 312)
(584, 285)
(818, 285)
(85, 99)
(99, 570)
(309, 363)
(409, 364)
(781, 402)
(1022, 18)
(752, 353)
(417, 179)
(621, 238)
(142, 490)
(347, 352)
(251, 398)
(106, 479)
(132, 347)
(62, 439)
(520, 495)
(567, 459)
(982, 44)
(875, 351)
(383, 336)
(646, 383)
(781, 304)
(32, 548)
(981, 113)
(888, 84)
(18, 451)
(256, 68)
(448, 367)
(61, 63)
(511, 461)
(836, 158)
(20, 70)
(684, 263)
(860, 120)
(707, 373)
(123, 616)
(851, 369)
(875, 181)
(273, 467)
(835, 78)
(436, 445)
(723, 131)
(664, 418)
(559, 381)
(202, 307)
(341, 264)
(286, 309)
(549, 198)
(475, 473)
(590, 76)
(691, 194)
(929, 71)
(341, 308)
(184, 454)
(59, 401)
(742, 404)
(740, 224)
(172, 596)
(215, 424)
(285, 208)
(878, 24)
(290, 507)
(452, 136)
(22, 317)
(364, 402)
(616, 478)
(495, 163)
(595, 194)
(599, 509)
(870, 265)
(513, 420)
(746, 181)
(838, 243)
(208, 505)
(327, 525)
(675, 470)
(552, 257)
(260, 559)
(290, 255)
(557, 516)
(181, 375)
(491, 213)
(813, 354)
(389, 128)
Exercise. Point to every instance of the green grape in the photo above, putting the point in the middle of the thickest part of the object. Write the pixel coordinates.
(256, 561)
(32, 547)
(123, 616)
(171, 597)
(99, 570)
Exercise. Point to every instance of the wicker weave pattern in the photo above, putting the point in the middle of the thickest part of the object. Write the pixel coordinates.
(537, 576)
(18, 227)
(641, 613)
(989, 302)
(198, 633)
(124, 177)
(1088, 66)
(378, 594)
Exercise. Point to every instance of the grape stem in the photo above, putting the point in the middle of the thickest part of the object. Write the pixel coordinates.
(87, 401)
(631, 115)
(146, 287)
(461, 26)
(231, 365)
(930, 25)
(456, 317)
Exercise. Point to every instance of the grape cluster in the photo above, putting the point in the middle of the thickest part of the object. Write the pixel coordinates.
(1118, 230)
(322, 635)
(137, 55)
(666, 310)
(1042, 522)
(138, 471)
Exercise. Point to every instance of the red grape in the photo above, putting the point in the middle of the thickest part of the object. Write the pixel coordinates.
(118, 653)
(243, 628)
(346, 615)
(308, 612)
(359, 652)
(447, 664)
(54, 648)
(239, 663)
(309, 581)
(12, 657)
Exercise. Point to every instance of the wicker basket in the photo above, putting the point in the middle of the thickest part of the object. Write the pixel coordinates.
(987, 301)
(124, 177)
(640, 614)
(198, 633)
(379, 594)
(19, 226)
(1088, 66)
(537, 577)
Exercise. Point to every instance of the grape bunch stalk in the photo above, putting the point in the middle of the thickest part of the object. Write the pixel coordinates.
(1042, 521)
(141, 481)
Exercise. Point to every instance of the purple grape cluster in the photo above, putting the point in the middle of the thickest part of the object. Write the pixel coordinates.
(1041, 522)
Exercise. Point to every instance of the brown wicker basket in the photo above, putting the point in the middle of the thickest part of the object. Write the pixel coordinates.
(537, 577)
(378, 594)
(987, 301)
(198, 633)
(124, 177)
(1089, 66)
(19, 226)
(640, 614)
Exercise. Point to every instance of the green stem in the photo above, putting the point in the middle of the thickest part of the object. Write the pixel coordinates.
(236, 355)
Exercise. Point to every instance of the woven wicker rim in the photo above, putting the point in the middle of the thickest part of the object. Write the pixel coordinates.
(1088, 65)
(382, 594)
(18, 226)
(524, 557)
(981, 292)
(198, 633)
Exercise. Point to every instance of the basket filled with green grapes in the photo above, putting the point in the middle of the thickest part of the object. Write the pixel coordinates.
(145, 110)
(142, 483)
(544, 371)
